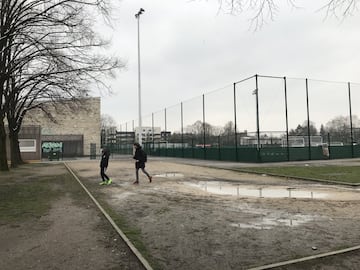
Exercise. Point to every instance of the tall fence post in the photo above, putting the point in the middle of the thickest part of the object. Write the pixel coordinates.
(153, 133)
(308, 117)
(204, 125)
(257, 117)
(329, 142)
(287, 122)
(351, 122)
(182, 129)
(236, 141)
(192, 146)
(219, 148)
(165, 134)
(126, 141)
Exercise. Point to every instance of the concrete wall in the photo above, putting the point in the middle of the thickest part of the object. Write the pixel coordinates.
(32, 133)
(70, 118)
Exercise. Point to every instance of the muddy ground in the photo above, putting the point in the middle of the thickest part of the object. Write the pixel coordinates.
(71, 234)
(185, 225)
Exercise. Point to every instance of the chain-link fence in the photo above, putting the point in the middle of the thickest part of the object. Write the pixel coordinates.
(258, 119)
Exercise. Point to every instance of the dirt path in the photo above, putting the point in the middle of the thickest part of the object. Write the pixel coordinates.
(184, 226)
(72, 235)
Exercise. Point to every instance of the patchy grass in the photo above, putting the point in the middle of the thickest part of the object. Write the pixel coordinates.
(131, 231)
(22, 201)
(27, 192)
(343, 174)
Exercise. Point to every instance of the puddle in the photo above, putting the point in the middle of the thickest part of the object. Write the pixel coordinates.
(267, 223)
(221, 188)
(170, 174)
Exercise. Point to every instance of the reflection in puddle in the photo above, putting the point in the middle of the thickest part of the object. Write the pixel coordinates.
(170, 174)
(267, 223)
(222, 188)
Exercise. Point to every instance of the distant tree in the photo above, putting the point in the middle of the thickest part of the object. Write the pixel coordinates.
(196, 128)
(175, 137)
(228, 133)
(107, 121)
(229, 129)
(323, 132)
(339, 128)
(197, 131)
(302, 130)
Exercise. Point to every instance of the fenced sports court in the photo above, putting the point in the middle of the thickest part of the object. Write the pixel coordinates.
(257, 119)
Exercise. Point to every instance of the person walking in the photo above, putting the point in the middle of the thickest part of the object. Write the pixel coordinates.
(140, 157)
(104, 162)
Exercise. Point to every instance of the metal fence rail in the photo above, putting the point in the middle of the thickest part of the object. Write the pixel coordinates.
(233, 123)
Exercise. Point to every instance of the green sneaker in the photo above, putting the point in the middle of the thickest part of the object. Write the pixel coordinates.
(108, 182)
(102, 183)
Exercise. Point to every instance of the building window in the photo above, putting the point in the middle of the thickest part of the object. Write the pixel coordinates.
(27, 145)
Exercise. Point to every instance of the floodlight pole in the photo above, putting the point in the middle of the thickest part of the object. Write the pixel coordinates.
(137, 16)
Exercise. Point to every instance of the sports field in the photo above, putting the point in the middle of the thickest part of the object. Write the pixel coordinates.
(209, 215)
(196, 217)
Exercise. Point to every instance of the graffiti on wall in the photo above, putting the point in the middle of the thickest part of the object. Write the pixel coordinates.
(52, 146)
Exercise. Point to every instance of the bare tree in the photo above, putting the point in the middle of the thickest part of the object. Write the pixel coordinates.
(339, 128)
(48, 53)
(199, 129)
(107, 121)
(228, 133)
(341, 8)
(266, 10)
(303, 130)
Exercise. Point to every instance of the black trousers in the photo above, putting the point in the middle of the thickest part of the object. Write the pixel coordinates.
(140, 165)
(104, 177)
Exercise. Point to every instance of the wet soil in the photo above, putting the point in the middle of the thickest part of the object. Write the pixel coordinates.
(184, 226)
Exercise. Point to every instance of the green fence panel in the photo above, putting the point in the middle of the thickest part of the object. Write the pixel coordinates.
(273, 154)
(212, 154)
(176, 152)
(162, 152)
(228, 154)
(248, 155)
(340, 152)
(188, 153)
(317, 153)
(170, 152)
(298, 153)
(199, 153)
(356, 151)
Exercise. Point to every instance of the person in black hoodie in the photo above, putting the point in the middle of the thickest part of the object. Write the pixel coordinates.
(140, 157)
(104, 162)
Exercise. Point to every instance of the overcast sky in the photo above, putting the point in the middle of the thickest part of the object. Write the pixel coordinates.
(190, 48)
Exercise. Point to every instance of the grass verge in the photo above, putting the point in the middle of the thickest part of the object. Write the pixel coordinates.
(28, 193)
(340, 174)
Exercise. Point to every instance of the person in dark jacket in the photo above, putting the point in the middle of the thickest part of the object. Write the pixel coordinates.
(140, 157)
(104, 162)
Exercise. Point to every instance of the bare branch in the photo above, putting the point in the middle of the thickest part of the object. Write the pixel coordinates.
(340, 8)
(49, 52)
(266, 10)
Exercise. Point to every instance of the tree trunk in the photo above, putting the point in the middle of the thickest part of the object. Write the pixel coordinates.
(15, 149)
(3, 159)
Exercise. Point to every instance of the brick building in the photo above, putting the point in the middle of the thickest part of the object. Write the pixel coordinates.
(73, 130)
